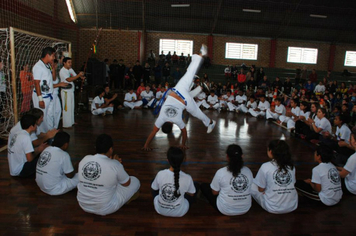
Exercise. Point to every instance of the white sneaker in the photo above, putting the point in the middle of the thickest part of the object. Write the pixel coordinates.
(211, 127)
(204, 50)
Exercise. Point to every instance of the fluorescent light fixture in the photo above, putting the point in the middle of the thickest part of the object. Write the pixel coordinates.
(180, 5)
(318, 16)
(71, 10)
(251, 10)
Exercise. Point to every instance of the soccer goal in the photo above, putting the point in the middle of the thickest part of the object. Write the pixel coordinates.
(19, 52)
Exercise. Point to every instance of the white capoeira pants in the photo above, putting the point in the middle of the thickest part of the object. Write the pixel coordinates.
(271, 115)
(215, 106)
(132, 105)
(256, 113)
(57, 109)
(289, 120)
(122, 195)
(102, 110)
(183, 87)
(48, 113)
(201, 103)
(68, 108)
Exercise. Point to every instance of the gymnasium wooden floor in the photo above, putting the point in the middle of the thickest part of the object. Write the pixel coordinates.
(25, 210)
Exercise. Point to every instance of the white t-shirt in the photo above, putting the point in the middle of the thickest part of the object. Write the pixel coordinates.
(350, 179)
(324, 124)
(159, 94)
(281, 109)
(241, 99)
(251, 105)
(319, 89)
(64, 74)
(201, 96)
(97, 100)
(17, 128)
(51, 168)
(263, 105)
(328, 176)
(99, 177)
(171, 111)
(234, 193)
(166, 203)
(148, 96)
(280, 195)
(18, 146)
(213, 100)
(305, 114)
(343, 133)
(295, 111)
(130, 97)
(43, 73)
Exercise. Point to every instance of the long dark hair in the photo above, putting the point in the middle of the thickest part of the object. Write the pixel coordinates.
(234, 152)
(281, 154)
(175, 158)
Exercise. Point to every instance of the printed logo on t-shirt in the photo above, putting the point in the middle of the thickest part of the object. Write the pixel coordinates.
(239, 184)
(168, 193)
(282, 178)
(13, 140)
(44, 159)
(91, 171)
(171, 112)
(334, 176)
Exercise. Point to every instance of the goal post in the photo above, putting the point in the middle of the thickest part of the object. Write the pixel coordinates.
(20, 50)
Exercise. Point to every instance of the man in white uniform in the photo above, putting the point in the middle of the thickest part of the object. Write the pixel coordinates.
(21, 154)
(104, 186)
(42, 94)
(68, 75)
(200, 99)
(278, 110)
(99, 106)
(212, 101)
(177, 101)
(54, 167)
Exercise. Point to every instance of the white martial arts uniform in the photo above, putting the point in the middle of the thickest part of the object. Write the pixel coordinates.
(18, 146)
(67, 96)
(201, 99)
(98, 111)
(43, 73)
(149, 97)
(234, 192)
(159, 95)
(278, 109)
(241, 100)
(291, 122)
(57, 108)
(99, 189)
(165, 202)
(295, 113)
(328, 177)
(183, 88)
(248, 106)
(324, 124)
(263, 106)
(17, 128)
(212, 100)
(343, 133)
(131, 97)
(280, 195)
(51, 170)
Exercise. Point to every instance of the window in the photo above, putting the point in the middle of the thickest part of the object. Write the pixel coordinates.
(350, 58)
(241, 51)
(178, 46)
(302, 55)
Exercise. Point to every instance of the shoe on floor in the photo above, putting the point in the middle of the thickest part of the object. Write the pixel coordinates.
(211, 127)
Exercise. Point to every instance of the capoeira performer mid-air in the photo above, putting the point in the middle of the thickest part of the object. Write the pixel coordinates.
(180, 98)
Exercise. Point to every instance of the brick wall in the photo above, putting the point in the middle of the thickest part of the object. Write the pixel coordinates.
(113, 44)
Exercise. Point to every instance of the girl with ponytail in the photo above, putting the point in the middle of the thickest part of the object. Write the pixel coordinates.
(273, 187)
(229, 192)
(173, 190)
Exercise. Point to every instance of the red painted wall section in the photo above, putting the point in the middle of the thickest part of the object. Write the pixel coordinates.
(332, 57)
(210, 47)
(139, 37)
(272, 58)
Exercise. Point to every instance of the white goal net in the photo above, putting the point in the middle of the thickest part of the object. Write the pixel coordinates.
(16, 75)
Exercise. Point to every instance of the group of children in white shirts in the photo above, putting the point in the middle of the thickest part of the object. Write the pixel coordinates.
(104, 186)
